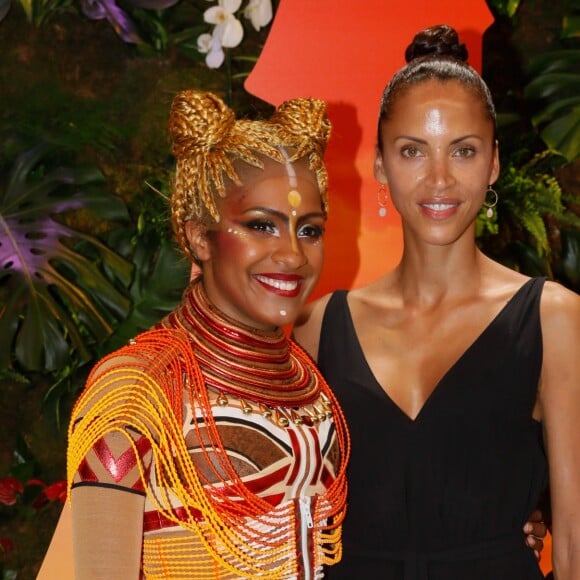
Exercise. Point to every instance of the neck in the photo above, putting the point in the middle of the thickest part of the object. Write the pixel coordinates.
(428, 273)
(235, 359)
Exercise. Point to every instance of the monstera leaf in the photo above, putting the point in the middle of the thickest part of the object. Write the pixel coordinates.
(555, 86)
(570, 262)
(160, 276)
(54, 298)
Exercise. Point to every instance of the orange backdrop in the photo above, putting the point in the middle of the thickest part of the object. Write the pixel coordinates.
(345, 52)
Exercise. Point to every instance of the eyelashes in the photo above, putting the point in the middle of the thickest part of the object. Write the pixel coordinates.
(414, 152)
(269, 227)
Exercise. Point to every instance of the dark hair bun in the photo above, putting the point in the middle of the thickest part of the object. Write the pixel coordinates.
(441, 40)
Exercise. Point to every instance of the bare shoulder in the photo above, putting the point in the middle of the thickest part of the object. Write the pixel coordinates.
(560, 318)
(560, 309)
(306, 329)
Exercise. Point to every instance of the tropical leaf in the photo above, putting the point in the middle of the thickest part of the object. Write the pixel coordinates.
(563, 134)
(571, 26)
(4, 8)
(553, 61)
(55, 300)
(505, 7)
(570, 259)
(528, 260)
(549, 84)
(554, 91)
(160, 276)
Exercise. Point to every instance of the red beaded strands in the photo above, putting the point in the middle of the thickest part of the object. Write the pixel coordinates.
(242, 361)
(141, 387)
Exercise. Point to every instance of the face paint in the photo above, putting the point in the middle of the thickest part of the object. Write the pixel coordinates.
(294, 199)
(236, 232)
(283, 313)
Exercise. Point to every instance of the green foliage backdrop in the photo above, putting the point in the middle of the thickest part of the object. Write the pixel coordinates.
(86, 252)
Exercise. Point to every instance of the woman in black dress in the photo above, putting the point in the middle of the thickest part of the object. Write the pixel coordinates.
(458, 377)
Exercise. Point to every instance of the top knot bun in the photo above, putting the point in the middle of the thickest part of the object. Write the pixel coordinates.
(198, 122)
(441, 40)
(303, 121)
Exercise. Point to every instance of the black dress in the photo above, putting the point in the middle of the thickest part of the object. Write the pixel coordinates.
(444, 496)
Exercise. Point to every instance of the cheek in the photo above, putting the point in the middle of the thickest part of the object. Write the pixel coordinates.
(315, 255)
(234, 244)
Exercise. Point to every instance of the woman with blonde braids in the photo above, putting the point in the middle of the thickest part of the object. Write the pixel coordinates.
(210, 446)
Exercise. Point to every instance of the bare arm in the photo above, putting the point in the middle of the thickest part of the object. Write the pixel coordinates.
(107, 496)
(107, 533)
(559, 399)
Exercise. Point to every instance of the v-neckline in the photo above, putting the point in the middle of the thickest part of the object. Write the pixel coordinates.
(428, 401)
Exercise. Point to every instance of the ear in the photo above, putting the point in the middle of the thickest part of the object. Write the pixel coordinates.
(198, 241)
(494, 174)
(379, 169)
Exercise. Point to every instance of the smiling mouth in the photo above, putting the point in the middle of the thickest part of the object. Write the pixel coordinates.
(289, 287)
(285, 285)
(439, 206)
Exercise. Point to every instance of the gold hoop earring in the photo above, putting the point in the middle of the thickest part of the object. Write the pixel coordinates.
(382, 199)
(490, 206)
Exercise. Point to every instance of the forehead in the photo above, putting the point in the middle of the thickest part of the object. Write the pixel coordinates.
(447, 100)
(269, 186)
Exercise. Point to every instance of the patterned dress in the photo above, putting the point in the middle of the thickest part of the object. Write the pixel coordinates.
(235, 486)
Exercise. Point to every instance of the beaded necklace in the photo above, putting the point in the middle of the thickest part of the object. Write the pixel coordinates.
(242, 361)
(142, 388)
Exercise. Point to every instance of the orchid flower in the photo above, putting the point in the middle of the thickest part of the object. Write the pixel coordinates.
(118, 18)
(211, 46)
(228, 29)
(259, 12)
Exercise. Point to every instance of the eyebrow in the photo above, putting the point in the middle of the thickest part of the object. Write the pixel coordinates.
(424, 142)
(282, 216)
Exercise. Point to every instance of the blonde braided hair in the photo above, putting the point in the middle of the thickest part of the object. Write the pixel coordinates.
(208, 140)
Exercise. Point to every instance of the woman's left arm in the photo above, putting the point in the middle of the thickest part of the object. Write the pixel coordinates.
(559, 398)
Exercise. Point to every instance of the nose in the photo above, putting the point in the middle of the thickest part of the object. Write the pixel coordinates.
(289, 252)
(440, 175)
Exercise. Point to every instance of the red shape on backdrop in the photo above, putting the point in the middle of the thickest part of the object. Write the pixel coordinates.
(344, 53)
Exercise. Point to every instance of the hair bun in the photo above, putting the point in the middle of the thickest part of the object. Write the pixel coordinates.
(441, 40)
(198, 121)
(306, 119)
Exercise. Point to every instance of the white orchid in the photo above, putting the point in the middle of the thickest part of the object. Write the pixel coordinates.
(228, 29)
(211, 46)
(259, 12)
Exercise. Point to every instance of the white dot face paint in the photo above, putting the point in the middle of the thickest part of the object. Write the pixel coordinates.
(236, 232)
(283, 313)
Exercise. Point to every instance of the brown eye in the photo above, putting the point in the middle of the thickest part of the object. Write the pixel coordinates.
(464, 152)
(260, 225)
(410, 151)
(311, 231)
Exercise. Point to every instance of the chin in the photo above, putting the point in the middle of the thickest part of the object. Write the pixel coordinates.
(277, 320)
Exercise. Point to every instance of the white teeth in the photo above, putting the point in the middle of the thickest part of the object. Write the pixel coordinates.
(285, 285)
(439, 206)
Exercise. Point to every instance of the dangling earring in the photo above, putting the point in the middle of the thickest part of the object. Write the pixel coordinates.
(382, 198)
(490, 206)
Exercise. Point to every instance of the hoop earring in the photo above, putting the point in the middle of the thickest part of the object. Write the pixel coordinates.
(490, 206)
(382, 199)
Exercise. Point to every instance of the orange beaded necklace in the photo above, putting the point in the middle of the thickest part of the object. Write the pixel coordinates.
(143, 388)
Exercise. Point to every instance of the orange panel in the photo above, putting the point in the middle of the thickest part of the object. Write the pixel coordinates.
(345, 55)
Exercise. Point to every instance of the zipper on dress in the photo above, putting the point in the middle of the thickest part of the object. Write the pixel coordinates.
(306, 523)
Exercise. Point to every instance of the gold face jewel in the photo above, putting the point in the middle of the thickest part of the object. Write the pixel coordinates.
(294, 199)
